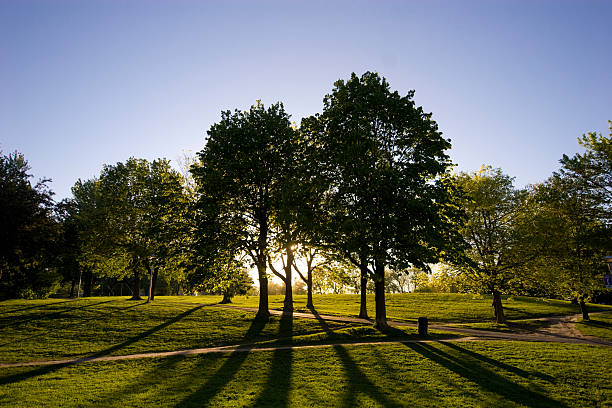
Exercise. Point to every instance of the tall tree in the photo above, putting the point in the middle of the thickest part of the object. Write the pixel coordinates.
(389, 199)
(29, 232)
(240, 178)
(572, 239)
(133, 218)
(593, 169)
(493, 207)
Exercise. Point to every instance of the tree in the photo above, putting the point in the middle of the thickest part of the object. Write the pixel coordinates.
(493, 207)
(29, 232)
(389, 199)
(573, 240)
(134, 217)
(593, 169)
(240, 181)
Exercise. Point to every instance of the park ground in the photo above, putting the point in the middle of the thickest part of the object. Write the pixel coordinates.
(89, 352)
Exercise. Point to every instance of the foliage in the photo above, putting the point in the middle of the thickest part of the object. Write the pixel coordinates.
(241, 180)
(493, 207)
(593, 169)
(573, 242)
(29, 232)
(388, 199)
(134, 217)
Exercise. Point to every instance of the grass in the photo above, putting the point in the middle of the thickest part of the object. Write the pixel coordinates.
(499, 374)
(600, 326)
(438, 307)
(453, 374)
(508, 327)
(55, 329)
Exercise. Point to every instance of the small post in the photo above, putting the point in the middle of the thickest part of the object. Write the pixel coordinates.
(422, 326)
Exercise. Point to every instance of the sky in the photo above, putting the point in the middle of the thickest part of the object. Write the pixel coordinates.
(83, 83)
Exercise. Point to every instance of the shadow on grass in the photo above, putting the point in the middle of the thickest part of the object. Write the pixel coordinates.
(357, 381)
(498, 364)
(225, 373)
(468, 367)
(41, 306)
(597, 324)
(276, 389)
(69, 323)
(40, 316)
(51, 368)
(144, 334)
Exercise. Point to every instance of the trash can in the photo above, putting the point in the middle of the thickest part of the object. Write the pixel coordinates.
(422, 326)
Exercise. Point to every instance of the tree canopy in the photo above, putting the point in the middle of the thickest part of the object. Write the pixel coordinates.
(389, 197)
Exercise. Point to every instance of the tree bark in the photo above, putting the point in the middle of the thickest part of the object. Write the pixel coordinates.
(583, 309)
(261, 263)
(154, 283)
(379, 297)
(497, 307)
(288, 302)
(88, 284)
(136, 291)
(148, 266)
(227, 298)
(309, 303)
(363, 306)
(72, 286)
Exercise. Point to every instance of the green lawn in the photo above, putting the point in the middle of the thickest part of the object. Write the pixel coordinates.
(438, 307)
(478, 374)
(600, 325)
(52, 329)
(454, 374)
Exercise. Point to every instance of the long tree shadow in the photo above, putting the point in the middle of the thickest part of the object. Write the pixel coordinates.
(51, 368)
(123, 309)
(143, 335)
(358, 382)
(499, 364)
(42, 306)
(276, 389)
(226, 372)
(41, 316)
(472, 370)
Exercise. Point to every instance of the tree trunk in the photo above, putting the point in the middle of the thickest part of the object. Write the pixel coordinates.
(79, 287)
(309, 303)
(363, 307)
(88, 284)
(379, 298)
(154, 283)
(497, 307)
(227, 298)
(72, 286)
(261, 261)
(149, 297)
(136, 291)
(263, 311)
(583, 309)
(288, 302)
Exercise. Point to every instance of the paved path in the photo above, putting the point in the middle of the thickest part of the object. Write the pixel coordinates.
(559, 331)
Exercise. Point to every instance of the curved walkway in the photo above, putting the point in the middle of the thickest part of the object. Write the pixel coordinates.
(559, 331)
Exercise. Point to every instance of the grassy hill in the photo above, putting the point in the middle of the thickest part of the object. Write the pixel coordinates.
(438, 307)
(500, 373)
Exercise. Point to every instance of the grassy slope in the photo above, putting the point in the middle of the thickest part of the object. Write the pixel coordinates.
(51, 329)
(439, 307)
(600, 325)
(499, 374)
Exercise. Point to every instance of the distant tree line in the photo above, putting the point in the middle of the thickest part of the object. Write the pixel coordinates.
(359, 197)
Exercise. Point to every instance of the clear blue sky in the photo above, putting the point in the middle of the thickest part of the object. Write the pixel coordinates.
(83, 83)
